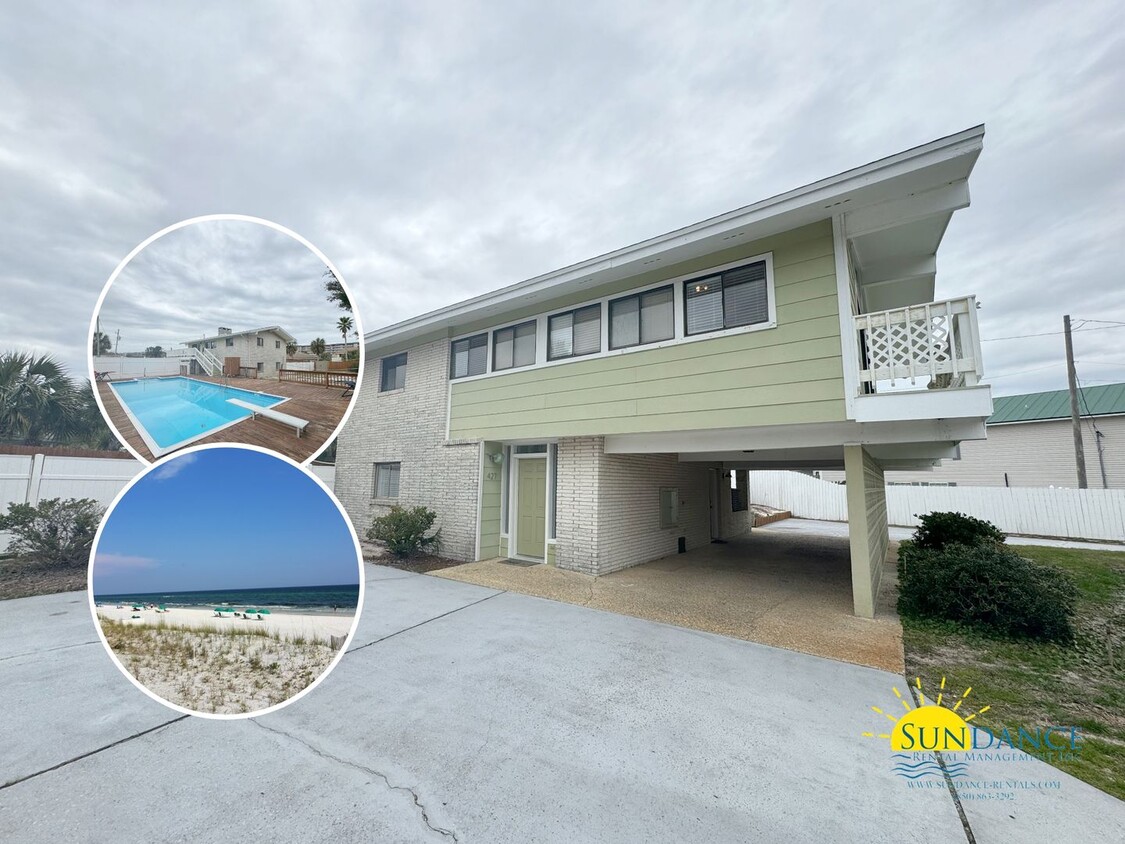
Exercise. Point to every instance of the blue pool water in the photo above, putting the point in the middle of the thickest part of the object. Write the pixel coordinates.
(170, 412)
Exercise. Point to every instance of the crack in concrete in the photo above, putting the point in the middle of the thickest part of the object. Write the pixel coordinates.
(420, 623)
(952, 786)
(448, 833)
(49, 650)
(92, 752)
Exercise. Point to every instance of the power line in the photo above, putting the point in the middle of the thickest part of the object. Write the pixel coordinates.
(1049, 333)
(1025, 371)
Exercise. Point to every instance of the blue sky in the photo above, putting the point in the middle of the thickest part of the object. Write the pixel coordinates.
(225, 518)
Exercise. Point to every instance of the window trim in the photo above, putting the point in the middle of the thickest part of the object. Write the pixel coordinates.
(261, 342)
(679, 313)
(491, 366)
(637, 295)
(487, 335)
(601, 306)
(771, 314)
(375, 481)
(383, 388)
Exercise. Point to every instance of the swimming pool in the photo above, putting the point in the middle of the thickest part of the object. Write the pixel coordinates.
(172, 412)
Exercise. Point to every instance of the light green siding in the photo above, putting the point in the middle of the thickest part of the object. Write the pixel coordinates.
(789, 374)
(490, 505)
(503, 546)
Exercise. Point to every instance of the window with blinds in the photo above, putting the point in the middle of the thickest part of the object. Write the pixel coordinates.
(642, 318)
(386, 480)
(727, 300)
(468, 356)
(393, 375)
(574, 333)
(513, 346)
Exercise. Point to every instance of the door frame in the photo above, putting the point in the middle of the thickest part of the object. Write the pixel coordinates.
(513, 476)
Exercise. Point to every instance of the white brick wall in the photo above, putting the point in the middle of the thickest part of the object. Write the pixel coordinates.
(609, 507)
(408, 426)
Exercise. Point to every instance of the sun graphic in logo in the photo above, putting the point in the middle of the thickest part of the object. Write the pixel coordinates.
(929, 726)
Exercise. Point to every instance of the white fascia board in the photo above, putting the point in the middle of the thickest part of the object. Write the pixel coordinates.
(962, 402)
(797, 436)
(896, 212)
(815, 201)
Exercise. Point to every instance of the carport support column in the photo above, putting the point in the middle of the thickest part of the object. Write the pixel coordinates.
(867, 526)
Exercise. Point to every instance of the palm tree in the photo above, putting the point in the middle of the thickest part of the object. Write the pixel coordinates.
(92, 431)
(101, 344)
(38, 403)
(335, 290)
(290, 349)
(317, 346)
(344, 325)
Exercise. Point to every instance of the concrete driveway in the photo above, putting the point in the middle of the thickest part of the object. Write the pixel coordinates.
(462, 713)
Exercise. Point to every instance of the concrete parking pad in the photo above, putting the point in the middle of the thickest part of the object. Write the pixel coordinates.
(775, 587)
(494, 716)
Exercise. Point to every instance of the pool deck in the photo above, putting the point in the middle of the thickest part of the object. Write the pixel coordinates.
(323, 407)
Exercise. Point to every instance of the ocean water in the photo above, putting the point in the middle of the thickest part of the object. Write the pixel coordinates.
(295, 599)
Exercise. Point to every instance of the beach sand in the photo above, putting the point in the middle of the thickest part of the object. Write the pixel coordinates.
(287, 625)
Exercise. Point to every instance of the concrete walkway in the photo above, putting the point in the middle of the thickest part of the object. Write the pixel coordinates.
(774, 587)
(467, 714)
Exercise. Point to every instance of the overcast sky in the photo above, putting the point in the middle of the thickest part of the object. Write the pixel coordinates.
(435, 151)
(212, 273)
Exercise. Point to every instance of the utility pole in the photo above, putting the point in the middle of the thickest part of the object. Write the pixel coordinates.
(1075, 421)
(117, 343)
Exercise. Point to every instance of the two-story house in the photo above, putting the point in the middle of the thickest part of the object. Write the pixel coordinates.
(256, 352)
(598, 416)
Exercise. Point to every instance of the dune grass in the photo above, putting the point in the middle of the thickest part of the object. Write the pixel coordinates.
(218, 670)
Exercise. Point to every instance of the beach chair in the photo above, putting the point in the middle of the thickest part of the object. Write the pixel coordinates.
(349, 387)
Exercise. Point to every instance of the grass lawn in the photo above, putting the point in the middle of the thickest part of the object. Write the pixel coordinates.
(1031, 684)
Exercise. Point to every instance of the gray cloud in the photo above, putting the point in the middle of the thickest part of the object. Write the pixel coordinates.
(212, 273)
(436, 151)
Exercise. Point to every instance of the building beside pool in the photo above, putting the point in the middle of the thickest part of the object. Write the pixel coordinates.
(606, 414)
(255, 352)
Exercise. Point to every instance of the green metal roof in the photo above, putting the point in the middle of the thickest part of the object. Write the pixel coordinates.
(1055, 404)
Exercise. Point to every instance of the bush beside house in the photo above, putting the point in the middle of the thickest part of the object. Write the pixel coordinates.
(405, 531)
(958, 569)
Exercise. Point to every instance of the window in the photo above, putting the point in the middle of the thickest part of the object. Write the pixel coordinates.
(230, 342)
(210, 344)
(261, 366)
(394, 373)
(669, 507)
(261, 342)
(514, 346)
(575, 333)
(541, 448)
(468, 356)
(277, 366)
(727, 300)
(643, 318)
(386, 480)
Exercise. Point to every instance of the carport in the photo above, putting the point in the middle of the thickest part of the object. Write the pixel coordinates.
(777, 586)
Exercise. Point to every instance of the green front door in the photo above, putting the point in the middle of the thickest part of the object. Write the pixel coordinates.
(531, 526)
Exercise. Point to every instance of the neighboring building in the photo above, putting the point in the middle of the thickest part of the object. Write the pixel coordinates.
(592, 417)
(1031, 443)
(257, 351)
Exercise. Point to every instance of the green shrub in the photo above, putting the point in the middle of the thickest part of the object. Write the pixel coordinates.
(55, 531)
(940, 529)
(403, 530)
(989, 587)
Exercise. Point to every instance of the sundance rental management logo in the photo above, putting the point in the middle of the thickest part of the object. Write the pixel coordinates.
(929, 734)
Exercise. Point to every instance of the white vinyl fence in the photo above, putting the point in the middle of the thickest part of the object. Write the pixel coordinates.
(142, 367)
(1096, 514)
(29, 479)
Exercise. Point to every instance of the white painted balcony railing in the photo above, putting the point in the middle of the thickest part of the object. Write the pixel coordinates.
(933, 346)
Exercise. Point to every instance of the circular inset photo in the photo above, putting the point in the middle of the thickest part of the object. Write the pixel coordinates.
(225, 329)
(225, 581)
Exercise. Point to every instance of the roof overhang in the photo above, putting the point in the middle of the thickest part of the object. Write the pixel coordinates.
(276, 329)
(895, 209)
